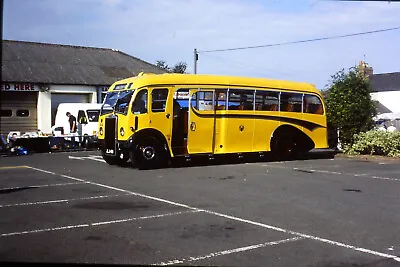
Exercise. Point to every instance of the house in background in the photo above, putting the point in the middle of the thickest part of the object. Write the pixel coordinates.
(386, 92)
(36, 77)
(386, 95)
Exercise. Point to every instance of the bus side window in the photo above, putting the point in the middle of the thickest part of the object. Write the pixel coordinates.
(241, 100)
(291, 102)
(267, 101)
(220, 99)
(312, 104)
(159, 100)
(204, 101)
(139, 105)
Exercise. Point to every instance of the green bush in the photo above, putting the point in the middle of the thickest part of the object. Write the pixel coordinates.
(375, 142)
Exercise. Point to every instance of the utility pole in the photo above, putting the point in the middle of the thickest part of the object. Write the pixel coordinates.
(195, 58)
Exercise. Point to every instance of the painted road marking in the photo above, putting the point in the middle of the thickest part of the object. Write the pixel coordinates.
(363, 175)
(39, 186)
(13, 167)
(271, 227)
(58, 201)
(73, 157)
(230, 251)
(94, 224)
(121, 190)
(95, 158)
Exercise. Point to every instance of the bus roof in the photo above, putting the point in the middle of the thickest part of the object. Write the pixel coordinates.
(200, 79)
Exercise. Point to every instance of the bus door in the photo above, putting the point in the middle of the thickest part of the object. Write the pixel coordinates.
(161, 114)
(140, 110)
(201, 121)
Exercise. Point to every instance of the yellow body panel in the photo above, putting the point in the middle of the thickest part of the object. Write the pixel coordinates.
(240, 131)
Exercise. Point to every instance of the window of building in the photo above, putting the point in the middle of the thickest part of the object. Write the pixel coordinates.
(312, 104)
(267, 101)
(241, 100)
(22, 113)
(159, 100)
(291, 102)
(6, 113)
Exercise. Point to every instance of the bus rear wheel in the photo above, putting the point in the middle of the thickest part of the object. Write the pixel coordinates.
(284, 147)
(148, 154)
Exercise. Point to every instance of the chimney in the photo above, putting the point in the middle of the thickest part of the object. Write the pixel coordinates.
(365, 69)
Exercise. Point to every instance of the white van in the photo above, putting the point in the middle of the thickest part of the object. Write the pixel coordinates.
(87, 117)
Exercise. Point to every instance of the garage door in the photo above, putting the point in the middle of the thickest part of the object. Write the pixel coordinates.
(56, 99)
(18, 112)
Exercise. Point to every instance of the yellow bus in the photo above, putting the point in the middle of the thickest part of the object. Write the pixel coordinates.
(152, 118)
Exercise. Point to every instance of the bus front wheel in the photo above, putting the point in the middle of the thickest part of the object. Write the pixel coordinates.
(148, 154)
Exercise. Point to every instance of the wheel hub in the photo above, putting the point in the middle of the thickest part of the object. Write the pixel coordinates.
(148, 152)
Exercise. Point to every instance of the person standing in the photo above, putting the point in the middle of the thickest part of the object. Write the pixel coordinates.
(72, 122)
(72, 127)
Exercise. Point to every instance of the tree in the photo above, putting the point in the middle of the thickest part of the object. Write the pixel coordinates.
(179, 67)
(349, 105)
(163, 65)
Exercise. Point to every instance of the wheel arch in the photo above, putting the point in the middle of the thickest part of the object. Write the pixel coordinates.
(149, 132)
(304, 142)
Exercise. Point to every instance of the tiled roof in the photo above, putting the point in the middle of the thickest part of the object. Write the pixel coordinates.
(67, 64)
(385, 82)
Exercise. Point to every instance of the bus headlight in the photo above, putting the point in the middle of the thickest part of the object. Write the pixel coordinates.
(122, 131)
(101, 131)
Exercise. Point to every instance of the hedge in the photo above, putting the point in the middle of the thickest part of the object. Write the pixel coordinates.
(375, 142)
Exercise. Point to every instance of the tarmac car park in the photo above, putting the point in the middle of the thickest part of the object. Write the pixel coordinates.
(75, 208)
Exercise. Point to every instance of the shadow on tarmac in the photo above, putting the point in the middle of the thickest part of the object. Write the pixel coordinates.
(198, 161)
(231, 159)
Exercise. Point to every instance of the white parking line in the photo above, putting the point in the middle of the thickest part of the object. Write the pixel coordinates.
(271, 227)
(122, 190)
(58, 201)
(39, 186)
(94, 224)
(363, 175)
(95, 158)
(230, 251)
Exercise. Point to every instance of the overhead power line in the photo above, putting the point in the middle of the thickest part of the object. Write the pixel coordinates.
(301, 41)
(367, 0)
(255, 69)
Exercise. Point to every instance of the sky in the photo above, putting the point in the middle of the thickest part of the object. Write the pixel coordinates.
(170, 29)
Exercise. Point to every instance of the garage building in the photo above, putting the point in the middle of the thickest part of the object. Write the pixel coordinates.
(36, 77)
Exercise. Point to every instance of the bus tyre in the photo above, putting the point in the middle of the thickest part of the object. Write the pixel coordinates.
(120, 159)
(148, 154)
(284, 147)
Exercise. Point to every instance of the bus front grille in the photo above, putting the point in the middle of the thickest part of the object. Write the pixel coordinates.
(109, 136)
